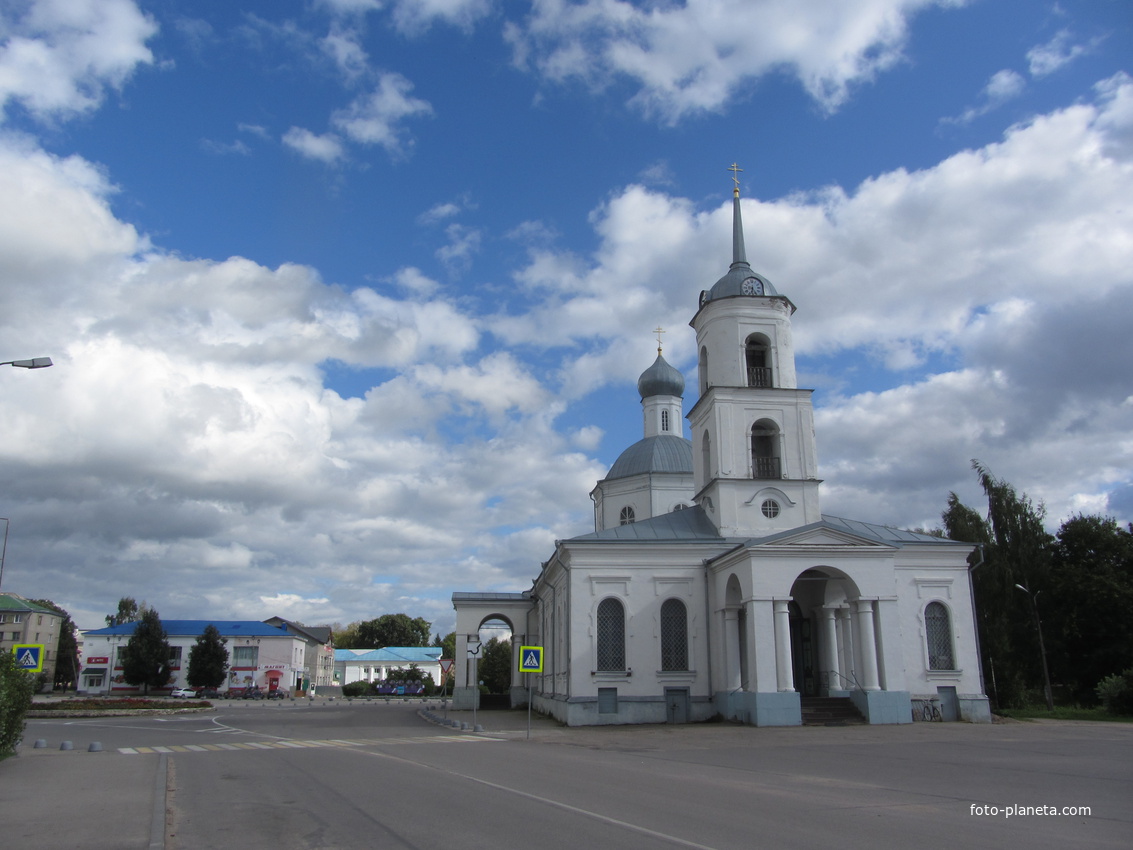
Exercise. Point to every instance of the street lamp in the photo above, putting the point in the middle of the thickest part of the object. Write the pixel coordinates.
(1042, 646)
(4, 550)
(34, 363)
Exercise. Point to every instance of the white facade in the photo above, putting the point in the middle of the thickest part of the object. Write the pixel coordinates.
(375, 665)
(751, 603)
(259, 655)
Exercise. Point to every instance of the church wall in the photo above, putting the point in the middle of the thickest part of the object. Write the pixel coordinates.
(641, 585)
(919, 585)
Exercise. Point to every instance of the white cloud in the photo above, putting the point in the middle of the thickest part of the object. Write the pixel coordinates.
(694, 57)
(326, 148)
(1003, 86)
(58, 57)
(1047, 58)
(375, 118)
(415, 16)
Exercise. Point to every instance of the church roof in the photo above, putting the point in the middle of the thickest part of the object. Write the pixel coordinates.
(662, 453)
(661, 379)
(690, 524)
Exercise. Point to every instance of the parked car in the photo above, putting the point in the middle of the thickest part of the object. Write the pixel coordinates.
(253, 693)
(208, 693)
(278, 693)
(183, 693)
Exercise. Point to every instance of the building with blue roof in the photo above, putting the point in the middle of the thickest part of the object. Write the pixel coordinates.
(269, 655)
(375, 665)
(714, 586)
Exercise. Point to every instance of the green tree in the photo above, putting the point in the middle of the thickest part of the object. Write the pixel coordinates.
(495, 666)
(145, 658)
(67, 655)
(345, 637)
(393, 630)
(1086, 621)
(1017, 551)
(128, 612)
(447, 643)
(208, 659)
(16, 689)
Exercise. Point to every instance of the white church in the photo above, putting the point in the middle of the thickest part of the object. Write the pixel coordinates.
(714, 586)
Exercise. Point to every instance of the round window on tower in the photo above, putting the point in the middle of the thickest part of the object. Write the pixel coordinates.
(770, 508)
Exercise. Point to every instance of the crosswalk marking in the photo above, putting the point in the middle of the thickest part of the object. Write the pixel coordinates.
(294, 744)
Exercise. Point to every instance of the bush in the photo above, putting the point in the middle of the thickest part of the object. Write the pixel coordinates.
(16, 689)
(357, 689)
(1116, 692)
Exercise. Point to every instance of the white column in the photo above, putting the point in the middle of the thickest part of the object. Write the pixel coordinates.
(785, 675)
(830, 649)
(867, 652)
(461, 660)
(731, 649)
(751, 677)
(845, 646)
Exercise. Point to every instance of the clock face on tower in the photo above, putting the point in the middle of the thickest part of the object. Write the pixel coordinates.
(752, 286)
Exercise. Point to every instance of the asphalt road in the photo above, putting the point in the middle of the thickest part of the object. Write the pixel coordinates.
(336, 775)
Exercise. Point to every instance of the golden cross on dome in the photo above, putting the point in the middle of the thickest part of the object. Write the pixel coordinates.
(658, 331)
(735, 169)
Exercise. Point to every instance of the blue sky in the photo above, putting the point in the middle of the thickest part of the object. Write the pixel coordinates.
(348, 298)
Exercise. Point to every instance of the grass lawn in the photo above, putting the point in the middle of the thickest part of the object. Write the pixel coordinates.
(1039, 712)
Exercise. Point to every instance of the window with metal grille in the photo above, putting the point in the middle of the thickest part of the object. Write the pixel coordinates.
(938, 633)
(611, 635)
(674, 635)
(664, 420)
(627, 516)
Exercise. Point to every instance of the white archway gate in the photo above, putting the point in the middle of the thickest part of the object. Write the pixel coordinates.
(473, 610)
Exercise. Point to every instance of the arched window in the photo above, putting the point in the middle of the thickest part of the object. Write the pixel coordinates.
(758, 355)
(765, 450)
(938, 635)
(627, 516)
(664, 420)
(703, 371)
(611, 635)
(674, 635)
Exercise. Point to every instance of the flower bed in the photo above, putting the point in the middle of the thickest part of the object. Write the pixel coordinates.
(124, 705)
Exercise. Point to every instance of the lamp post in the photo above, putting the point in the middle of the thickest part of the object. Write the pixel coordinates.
(474, 647)
(34, 363)
(4, 550)
(1042, 646)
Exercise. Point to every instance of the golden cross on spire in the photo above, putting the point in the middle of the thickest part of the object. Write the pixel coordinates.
(735, 169)
(658, 331)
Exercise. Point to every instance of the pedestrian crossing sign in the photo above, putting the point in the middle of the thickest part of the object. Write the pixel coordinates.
(531, 659)
(29, 657)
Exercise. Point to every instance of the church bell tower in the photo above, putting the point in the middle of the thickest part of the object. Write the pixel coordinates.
(755, 464)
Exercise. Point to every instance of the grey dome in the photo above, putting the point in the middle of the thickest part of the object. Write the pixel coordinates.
(663, 453)
(733, 282)
(661, 379)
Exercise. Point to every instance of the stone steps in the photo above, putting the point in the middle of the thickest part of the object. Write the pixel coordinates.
(830, 711)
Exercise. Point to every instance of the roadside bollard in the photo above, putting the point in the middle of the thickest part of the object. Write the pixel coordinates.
(95, 747)
(66, 745)
(40, 744)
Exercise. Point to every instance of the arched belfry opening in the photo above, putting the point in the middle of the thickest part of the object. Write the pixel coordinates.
(757, 359)
(765, 460)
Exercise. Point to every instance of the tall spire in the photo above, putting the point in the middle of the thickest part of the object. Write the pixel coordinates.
(739, 253)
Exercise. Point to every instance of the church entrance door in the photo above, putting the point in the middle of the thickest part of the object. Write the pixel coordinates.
(676, 705)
